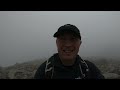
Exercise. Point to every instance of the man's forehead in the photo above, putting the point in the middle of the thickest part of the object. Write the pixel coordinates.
(68, 35)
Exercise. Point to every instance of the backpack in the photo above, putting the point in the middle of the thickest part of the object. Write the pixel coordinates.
(49, 69)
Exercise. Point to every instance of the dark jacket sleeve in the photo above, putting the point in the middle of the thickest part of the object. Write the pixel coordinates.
(40, 73)
(95, 73)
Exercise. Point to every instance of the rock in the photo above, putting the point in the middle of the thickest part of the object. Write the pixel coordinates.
(111, 76)
(20, 71)
(1, 72)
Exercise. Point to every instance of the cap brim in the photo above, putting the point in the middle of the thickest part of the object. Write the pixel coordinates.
(66, 31)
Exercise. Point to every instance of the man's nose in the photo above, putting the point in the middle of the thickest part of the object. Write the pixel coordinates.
(68, 43)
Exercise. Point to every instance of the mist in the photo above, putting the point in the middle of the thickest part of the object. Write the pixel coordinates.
(28, 35)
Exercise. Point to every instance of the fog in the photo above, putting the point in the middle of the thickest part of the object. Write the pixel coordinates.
(28, 35)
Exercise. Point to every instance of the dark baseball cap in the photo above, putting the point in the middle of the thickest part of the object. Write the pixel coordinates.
(68, 28)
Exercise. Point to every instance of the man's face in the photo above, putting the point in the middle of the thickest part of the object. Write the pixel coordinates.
(68, 46)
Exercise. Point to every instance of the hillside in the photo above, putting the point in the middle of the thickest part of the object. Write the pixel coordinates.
(109, 68)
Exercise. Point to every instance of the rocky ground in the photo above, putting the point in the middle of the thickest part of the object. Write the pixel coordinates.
(109, 68)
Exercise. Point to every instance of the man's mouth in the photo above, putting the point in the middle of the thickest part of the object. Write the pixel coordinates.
(67, 51)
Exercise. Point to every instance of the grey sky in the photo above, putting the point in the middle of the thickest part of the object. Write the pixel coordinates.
(28, 35)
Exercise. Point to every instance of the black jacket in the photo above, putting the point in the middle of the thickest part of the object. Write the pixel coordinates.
(68, 72)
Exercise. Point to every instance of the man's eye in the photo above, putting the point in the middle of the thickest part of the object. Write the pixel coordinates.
(62, 38)
(73, 38)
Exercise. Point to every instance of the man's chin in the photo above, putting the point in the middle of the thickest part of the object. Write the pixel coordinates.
(67, 57)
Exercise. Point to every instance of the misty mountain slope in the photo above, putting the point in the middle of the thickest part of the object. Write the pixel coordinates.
(109, 68)
(24, 70)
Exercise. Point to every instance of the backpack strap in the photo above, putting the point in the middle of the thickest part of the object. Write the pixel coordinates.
(84, 69)
(49, 69)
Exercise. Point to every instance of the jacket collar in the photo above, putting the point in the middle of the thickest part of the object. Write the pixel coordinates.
(57, 62)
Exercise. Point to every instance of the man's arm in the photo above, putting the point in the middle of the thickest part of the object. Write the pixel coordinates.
(95, 73)
(40, 73)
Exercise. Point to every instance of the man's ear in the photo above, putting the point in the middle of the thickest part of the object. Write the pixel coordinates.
(56, 41)
(80, 42)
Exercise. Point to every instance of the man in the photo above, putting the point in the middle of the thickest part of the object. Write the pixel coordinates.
(67, 64)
